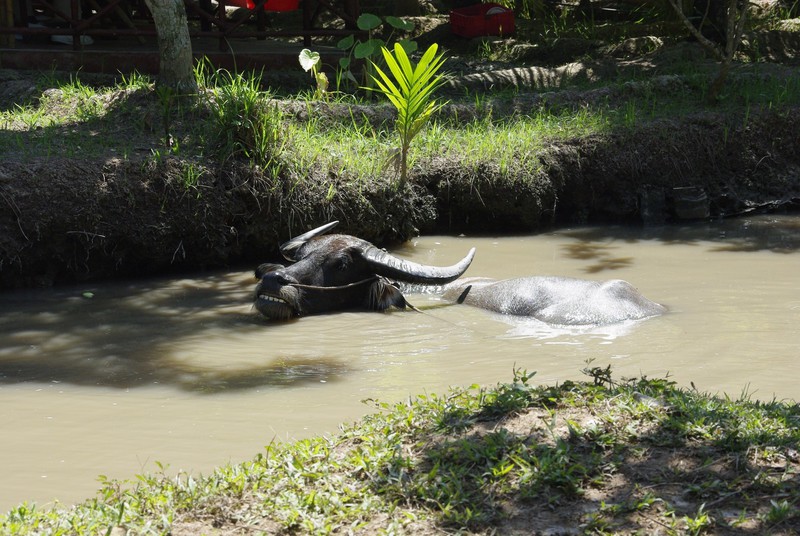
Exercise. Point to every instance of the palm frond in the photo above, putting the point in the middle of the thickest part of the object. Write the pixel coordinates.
(410, 89)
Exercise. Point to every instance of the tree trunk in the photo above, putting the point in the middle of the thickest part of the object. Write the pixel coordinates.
(174, 46)
(735, 18)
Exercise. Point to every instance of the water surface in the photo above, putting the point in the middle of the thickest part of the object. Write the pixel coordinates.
(112, 378)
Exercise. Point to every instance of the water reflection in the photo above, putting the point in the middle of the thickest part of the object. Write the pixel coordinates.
(125, 336)
(527, 328)
(776, 233)
(600, 253)
(290, 372)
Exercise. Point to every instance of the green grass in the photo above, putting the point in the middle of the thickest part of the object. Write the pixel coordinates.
(243, 122)
(357, 150)
(476, 457)
(234, 118)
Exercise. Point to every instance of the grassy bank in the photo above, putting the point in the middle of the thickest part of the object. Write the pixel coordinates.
(104, 177)
(602, 456)
(237, 116)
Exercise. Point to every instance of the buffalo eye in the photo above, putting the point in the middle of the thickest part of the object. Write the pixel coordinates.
(343, 262)
(346, 257)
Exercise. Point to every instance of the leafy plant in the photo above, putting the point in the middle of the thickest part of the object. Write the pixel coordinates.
(411, 93)
(135, 81)
(309, 61)
(699, 524)
(192, 173)
(600, 375)
(779, 511)
(509, 397)
(370, 48)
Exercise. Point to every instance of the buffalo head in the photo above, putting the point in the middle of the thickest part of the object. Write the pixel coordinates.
(337, 272)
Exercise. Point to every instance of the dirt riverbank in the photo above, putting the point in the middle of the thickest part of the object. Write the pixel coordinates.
(77, 218)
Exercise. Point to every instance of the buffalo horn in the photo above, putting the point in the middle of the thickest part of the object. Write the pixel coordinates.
(410, 272)
(289, 247)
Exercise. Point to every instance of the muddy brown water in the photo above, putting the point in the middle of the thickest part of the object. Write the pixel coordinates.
(115, 379)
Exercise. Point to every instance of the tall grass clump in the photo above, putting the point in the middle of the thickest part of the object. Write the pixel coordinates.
(245, 123)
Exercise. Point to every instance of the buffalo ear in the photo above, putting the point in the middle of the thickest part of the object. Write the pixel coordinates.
(383, 294)
(266, 268)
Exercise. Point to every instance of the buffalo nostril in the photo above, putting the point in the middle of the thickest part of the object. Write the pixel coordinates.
(267, 267)
(276, 279)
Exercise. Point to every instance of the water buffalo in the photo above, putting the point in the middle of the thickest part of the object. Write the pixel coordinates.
(338, 272)
(556, 300)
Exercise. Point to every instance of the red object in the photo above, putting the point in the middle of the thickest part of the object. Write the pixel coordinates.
(269, 5)
(482, 19)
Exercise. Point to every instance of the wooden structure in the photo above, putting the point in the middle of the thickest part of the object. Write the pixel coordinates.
(123, 36)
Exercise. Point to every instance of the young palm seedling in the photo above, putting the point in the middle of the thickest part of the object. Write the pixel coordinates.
(411, 92)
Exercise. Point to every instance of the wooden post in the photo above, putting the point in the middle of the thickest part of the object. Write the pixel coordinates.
(7, 21)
